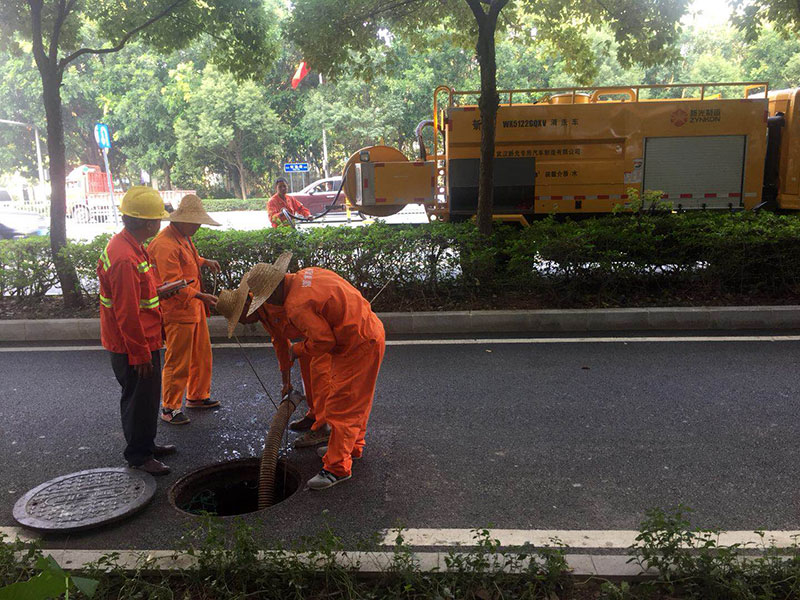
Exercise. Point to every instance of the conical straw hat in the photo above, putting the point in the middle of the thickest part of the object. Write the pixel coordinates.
(231, 303)
(191, 211)
(264, 278)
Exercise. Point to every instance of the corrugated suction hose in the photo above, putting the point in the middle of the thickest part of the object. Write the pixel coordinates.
(272, 445)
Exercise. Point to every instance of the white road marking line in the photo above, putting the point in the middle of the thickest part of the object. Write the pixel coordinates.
(11, 533)
(482, 341)
(575, 538)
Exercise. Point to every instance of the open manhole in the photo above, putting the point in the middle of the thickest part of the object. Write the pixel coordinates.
(229, 488)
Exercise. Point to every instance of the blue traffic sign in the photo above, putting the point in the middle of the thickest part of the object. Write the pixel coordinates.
(102, 136)
(295, 167)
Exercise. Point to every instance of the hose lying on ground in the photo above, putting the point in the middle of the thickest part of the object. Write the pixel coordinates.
(272, 445)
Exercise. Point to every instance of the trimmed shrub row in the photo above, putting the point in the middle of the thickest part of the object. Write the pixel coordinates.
(228, 204)
(617, 260)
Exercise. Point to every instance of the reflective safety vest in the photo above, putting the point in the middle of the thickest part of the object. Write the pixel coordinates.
(130, 314)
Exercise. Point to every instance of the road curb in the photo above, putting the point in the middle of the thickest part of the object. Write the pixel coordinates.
(723, 318)
(578, 565)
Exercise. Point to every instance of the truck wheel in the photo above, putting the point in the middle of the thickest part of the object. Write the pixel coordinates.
(80, 214)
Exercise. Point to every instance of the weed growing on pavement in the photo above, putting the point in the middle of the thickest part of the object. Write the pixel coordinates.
(690, 563)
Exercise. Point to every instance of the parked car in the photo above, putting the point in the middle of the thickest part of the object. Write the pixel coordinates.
(19, 224)
(317, 196)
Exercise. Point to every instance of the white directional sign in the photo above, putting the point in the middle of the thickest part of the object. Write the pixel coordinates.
(102, 136)
(295, 167)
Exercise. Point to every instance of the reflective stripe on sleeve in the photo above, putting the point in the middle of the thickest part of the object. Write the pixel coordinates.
(105, 260)
(151, 303)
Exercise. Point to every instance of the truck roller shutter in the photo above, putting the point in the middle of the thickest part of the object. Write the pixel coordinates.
(513, 185)
(696, 171)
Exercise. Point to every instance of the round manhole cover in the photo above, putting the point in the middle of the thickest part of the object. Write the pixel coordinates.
(85, 499)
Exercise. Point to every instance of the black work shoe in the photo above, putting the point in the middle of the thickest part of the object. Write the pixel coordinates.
(204, 403)
(166, 450)
(174, 417)
(313, 438)
(152, 466)
(303, 424)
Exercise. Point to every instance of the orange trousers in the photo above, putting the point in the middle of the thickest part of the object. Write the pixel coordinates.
(316, 374)
(187, 364)
(347, 407)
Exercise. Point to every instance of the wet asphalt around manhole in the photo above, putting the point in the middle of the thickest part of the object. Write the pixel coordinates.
(517, 436)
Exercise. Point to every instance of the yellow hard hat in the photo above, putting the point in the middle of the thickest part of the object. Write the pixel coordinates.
(143, 202)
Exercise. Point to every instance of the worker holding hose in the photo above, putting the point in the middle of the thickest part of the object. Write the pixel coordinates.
(335, 320)
(281, 200)
(316, 371)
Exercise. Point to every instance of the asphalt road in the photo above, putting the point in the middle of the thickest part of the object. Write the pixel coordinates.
(516, 436)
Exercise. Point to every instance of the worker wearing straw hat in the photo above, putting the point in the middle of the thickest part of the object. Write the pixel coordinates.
(187, 361)
(316, 371)
(335, 319)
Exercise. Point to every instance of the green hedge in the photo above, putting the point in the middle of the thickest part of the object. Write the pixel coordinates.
(228, 204)
(617, 260)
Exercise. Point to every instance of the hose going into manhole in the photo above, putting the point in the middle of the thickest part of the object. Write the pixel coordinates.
(272, 445)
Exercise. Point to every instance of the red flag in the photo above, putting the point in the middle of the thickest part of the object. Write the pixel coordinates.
(302, 71)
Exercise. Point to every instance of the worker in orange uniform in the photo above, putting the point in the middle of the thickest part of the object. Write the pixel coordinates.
(335, 319)
(281, 200)
(130, 325)
(316, 371)
(187, 361)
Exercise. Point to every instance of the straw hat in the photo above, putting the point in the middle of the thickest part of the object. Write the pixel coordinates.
(191, 211)
(231, 303)
(264, 278)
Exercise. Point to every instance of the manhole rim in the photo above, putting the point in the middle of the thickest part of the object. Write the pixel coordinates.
(231, 465)
(23, 518)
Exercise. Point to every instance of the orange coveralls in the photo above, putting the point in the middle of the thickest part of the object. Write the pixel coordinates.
(187, 361)
(316, 371)
(334, 318)
(276, 204)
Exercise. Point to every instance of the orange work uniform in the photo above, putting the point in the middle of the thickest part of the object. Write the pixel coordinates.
(276, 204)
(130, 314)
(316, 370)
(334, 318)
(187, 361)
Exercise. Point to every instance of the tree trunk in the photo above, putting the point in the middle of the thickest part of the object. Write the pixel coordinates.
(167, 168)
(488, 103)
(241, 171)
(67, 277)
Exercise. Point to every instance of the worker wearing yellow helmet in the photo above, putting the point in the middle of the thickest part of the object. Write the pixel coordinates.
(130, 325)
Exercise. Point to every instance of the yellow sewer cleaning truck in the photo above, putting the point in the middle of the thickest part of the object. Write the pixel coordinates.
(580, 151)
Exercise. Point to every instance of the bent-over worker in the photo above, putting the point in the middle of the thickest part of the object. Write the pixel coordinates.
(281, 200)
(187, 361)
(316, 370)
(130, 325)
(335, 319)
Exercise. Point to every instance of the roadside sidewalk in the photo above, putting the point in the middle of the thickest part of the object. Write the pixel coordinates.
(724, 318)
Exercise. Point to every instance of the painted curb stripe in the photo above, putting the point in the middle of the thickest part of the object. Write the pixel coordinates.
(12, 533)
(478, 341)
(576, 538)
